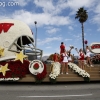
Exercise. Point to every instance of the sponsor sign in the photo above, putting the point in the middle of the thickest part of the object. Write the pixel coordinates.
(95, 47)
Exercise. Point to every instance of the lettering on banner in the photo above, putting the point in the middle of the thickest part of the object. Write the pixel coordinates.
(95, 46)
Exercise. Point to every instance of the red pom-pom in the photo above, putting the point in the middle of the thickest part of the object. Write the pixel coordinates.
(85, 41)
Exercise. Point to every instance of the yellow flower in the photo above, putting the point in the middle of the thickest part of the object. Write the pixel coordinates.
(1, 51)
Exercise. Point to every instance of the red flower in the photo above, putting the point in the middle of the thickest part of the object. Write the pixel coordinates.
(36, 66)
(42, 75)
(17, 69)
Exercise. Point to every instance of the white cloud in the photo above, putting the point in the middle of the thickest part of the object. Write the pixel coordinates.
(51, 12)
(97, 8)
(78, 37)
(46, 5)
(57, 50)
(48, 40)
(96, 19)
(70, 27)
(51, 6)
(56, 8)
(52, 30)
(41, 18)
(48, 47)
(47, 54)
(98, 29)
(68, 39)
(96, 15)
(75, 4)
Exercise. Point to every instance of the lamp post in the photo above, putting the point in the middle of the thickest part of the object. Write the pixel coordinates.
(35, 34)
(35, 39)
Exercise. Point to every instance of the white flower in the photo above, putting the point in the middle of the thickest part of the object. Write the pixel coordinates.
(81, 72)
(56, 70)
(8, 79)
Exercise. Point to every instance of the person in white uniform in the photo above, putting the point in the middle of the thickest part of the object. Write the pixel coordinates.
(69, 57)
(69, 54)
(79, 62)
(64, 62)
(88, 60)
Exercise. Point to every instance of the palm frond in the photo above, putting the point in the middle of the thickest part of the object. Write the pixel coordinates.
(81, 15)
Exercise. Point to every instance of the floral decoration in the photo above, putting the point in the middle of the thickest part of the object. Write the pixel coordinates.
(1, 51)
(36, 66)
(40, 76)
(17, 70)
(55, 72)
(9, 79)
(80, 72)
(20, 56)
(38, 69)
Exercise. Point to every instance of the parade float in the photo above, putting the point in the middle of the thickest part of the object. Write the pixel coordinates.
(16, 39)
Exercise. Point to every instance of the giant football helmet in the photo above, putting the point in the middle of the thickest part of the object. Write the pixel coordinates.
(16, 36)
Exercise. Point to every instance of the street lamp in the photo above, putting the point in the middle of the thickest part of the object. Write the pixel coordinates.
(35, 34)
(35, 39)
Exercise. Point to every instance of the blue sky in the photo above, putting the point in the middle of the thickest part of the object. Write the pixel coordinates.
(56, 21)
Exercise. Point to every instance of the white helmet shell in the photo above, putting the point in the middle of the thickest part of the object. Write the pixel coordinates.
(11, 33)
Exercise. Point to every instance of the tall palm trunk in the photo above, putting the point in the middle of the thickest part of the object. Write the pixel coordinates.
(83, 37)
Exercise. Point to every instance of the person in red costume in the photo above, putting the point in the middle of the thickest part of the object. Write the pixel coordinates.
(81, 58)
(82, 55)
(62, 47)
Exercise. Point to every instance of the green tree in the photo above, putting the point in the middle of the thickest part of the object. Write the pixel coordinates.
(82, 16)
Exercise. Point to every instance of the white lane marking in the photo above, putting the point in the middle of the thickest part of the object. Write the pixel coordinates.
(55, 96)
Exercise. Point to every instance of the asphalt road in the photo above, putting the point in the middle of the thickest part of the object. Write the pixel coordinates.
(86, 91)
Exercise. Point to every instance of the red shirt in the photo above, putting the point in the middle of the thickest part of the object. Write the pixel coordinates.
(81, 56)
(62, 47)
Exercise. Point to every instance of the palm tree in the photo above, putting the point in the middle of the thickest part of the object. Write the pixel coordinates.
(82, 16)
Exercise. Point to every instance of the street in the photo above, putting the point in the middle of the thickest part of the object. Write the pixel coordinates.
(66, 91)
